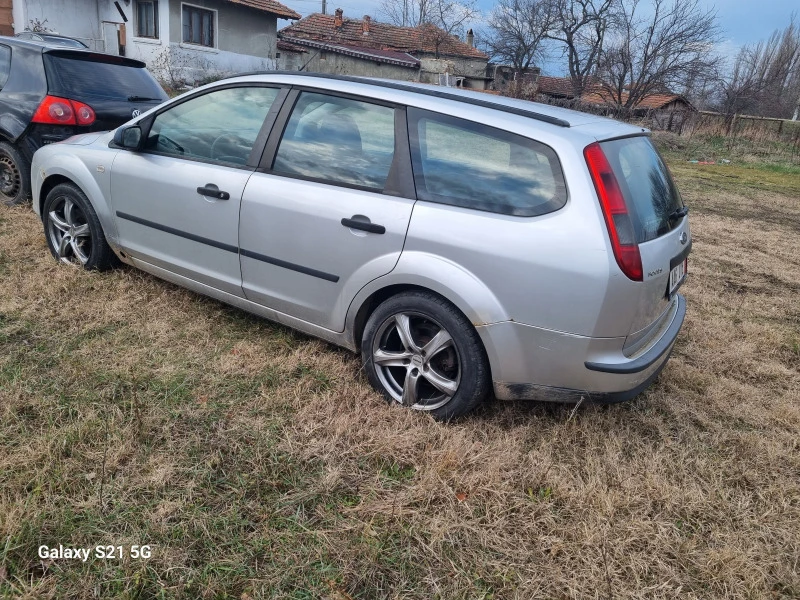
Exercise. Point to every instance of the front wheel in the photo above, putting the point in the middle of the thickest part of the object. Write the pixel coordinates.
(420, 351)
(73, 231)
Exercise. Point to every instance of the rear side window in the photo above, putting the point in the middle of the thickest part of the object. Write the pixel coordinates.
(76, 78)
(650, 194)
(469, 164)
(338, 140)
(5, 64)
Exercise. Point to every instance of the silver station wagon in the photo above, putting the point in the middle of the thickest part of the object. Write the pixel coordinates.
(462, 243)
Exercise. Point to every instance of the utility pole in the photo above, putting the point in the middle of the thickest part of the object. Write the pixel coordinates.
(324, 7)
(405, 12)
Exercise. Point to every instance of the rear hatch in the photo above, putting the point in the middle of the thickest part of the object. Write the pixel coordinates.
(656, 227)
(116, 88)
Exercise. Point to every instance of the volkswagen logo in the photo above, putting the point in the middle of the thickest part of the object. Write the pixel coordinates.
(684, 237)
(135, 112)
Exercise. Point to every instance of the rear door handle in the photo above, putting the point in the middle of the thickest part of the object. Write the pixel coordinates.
(354, 223)
(212, 191)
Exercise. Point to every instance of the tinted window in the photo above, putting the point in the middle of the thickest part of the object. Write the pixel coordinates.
(471, 165)
(5, 64)
(650, 194)
(77, 78)
(338, 140)
(221, 125)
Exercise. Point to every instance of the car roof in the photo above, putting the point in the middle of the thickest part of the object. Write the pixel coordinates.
(553, 115)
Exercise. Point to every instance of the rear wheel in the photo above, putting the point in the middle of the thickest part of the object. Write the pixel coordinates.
(73, 231)
(15, 175)
(421, 352)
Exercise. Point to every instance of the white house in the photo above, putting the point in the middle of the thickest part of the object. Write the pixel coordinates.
(177, 39)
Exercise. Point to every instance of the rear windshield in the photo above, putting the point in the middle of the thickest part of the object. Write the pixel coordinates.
(650, 193)
(77, 78)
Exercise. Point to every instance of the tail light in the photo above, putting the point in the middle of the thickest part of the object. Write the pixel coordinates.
(615, 212)
(61, 111)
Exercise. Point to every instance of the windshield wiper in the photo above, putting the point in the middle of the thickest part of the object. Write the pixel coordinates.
(141, 99)
(679, 213)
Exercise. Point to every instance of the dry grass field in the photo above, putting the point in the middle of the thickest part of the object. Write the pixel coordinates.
(258, 463)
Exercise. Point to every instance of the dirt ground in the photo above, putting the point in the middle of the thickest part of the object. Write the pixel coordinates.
(257, 463)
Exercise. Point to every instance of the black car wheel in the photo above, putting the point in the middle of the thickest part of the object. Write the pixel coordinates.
(73, 231)
(420, 351)
(15, 175)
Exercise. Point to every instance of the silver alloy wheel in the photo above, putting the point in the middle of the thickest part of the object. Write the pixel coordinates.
(416, 361)
(69, 231)
(10, 178)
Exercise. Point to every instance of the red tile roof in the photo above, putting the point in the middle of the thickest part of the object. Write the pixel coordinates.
(289, 47)
(393, 57)
(270, 6)
(649, 102)
(381, 36)
(561, 87)
(555, 86)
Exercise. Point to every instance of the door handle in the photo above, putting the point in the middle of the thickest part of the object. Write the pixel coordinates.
(212, 191)
(354, 223)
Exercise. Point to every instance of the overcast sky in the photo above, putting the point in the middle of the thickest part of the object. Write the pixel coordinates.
(742, 21)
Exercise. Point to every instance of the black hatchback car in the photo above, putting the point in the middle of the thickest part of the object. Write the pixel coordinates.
(49, 93)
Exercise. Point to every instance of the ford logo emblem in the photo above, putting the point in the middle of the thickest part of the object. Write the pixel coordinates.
(135, 112)
(684, 237)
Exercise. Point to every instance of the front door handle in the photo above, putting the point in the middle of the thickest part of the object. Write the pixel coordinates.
(212, 191)
(362, 223)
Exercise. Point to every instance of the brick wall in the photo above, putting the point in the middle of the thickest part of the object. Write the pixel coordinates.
(5, 18)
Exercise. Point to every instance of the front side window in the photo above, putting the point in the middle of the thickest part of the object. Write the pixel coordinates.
(469, 164)
(220, 126)
(338, 140)
(198, 26)
(147, 18)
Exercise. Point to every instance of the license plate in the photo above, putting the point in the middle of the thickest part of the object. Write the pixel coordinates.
(677, 275)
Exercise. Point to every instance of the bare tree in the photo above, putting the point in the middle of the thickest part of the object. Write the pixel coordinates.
(581, 27)
(518, 29)
(664, 49)
(765, 78)
(440, 19)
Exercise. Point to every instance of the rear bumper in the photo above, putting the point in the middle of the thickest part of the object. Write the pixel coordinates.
(533, 363)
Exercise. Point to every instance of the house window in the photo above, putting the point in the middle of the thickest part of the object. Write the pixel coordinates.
(198, 26)
(147, 18)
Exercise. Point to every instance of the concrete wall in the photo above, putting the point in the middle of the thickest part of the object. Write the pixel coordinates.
(245, 38)
(240, 30)
(341, 64)
(80, 19)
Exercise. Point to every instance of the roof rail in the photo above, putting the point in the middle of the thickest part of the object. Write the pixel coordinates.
(531, 114)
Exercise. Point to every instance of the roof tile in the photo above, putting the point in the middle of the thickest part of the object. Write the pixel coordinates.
(271, 6)
(381, 36)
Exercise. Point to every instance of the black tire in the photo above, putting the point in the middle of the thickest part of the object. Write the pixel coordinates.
(15, 175)
(73, 231)
(449, 379)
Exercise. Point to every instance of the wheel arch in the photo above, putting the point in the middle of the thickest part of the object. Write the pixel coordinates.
(430, 274)
(50, 170)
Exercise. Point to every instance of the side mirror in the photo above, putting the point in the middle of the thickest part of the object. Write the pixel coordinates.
(129, 138)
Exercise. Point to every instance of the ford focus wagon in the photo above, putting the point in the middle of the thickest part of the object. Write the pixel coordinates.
(462, 243)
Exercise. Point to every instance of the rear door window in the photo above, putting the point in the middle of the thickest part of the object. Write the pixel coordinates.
(77, 78)
(650, 193)
(469, 164)
(338, 140)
